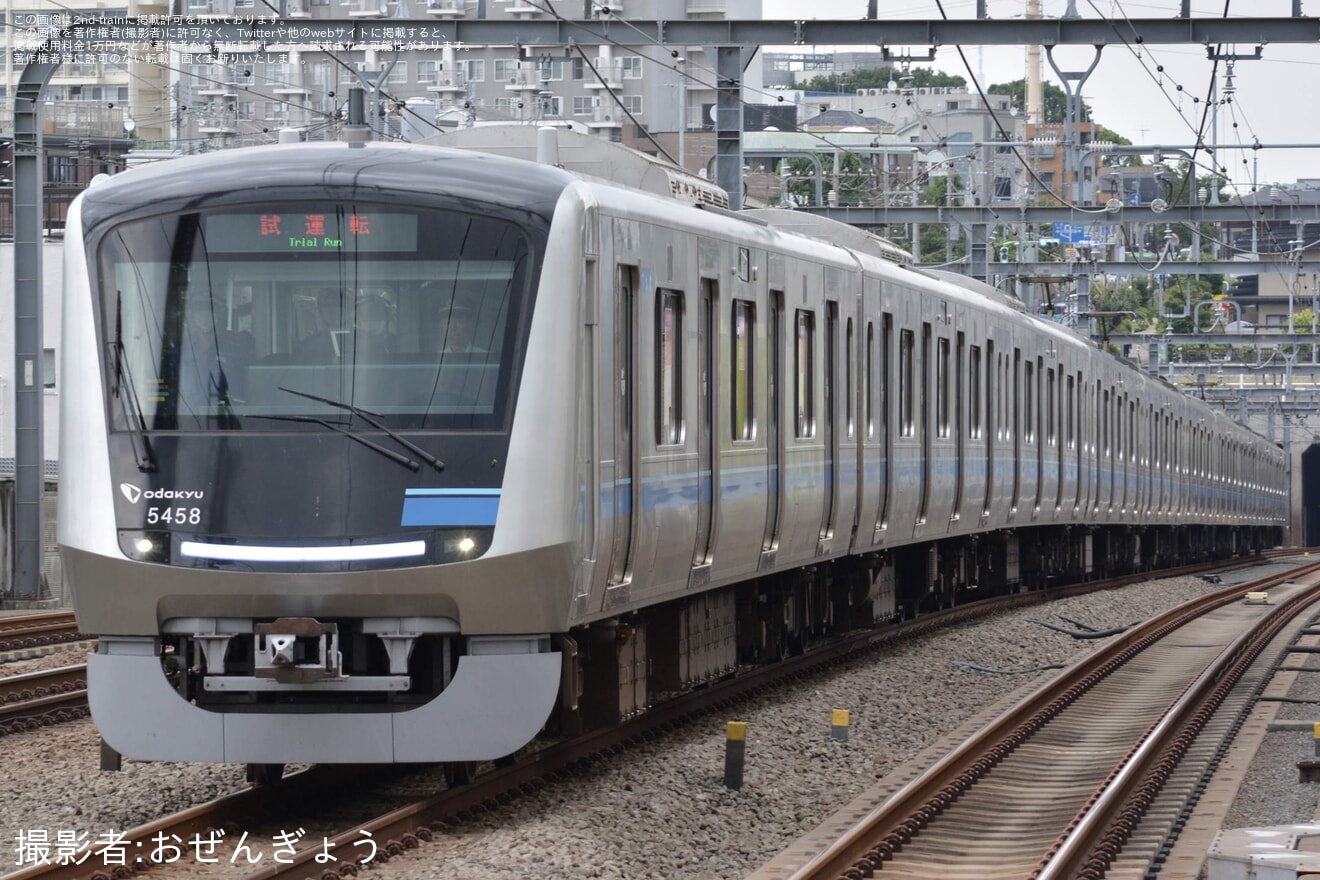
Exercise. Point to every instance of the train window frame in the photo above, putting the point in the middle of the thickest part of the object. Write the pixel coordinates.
(742, 363)
(669, 426)
(974, 392)
(870, 380)
(942, 420)
(886, 353)
(1070, 428)
(1105, 433)
(1051, 431)
(849, 420)
(907, 341)
(1132, 430)
(804, 373)
(265, 304)
(1028, 402)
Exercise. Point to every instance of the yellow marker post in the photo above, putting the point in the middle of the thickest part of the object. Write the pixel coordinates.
(1315, 732)
(735, 750)
(839, 725)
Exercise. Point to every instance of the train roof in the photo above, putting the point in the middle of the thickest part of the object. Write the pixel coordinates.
(589, 157)
(816, 226)
(338, 168)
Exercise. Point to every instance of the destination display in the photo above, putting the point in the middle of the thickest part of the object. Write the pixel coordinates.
(311, 231)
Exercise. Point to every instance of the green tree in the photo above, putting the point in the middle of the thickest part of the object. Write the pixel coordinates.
(879, 78)
(1055, 99)
(856, 179)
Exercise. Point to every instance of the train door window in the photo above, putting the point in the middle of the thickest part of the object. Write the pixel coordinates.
(886, 352)
(1132, 430)
(1051, 436)
(1070, 435)
(905, 345)
(1029, 403)
(1008, 410)
(743, 368)
(1017, 394)
(1104, 433)
(974, 392)
(942, 388)
(959, 367)
(804, 373)
(668, 367)
(1118, 427)
(848, 420)
(869, 390)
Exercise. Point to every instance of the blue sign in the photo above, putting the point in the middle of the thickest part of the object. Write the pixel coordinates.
(1080, 233)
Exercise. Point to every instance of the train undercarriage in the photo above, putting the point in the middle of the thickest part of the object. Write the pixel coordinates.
(613, 669)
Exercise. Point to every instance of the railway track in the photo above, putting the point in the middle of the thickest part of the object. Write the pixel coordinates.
(404, 828)
(1058, 785)
(35, 699)
(38, 630)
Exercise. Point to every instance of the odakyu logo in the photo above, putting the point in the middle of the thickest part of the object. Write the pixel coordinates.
(134, 494)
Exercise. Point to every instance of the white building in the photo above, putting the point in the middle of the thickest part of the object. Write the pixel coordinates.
(239, 98)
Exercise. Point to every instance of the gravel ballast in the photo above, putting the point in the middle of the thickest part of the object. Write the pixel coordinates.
(658, 810)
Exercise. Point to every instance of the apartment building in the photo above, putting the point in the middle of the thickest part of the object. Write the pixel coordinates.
(235, 98)
(96, 93)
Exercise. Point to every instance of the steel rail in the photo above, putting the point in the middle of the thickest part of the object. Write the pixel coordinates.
(404, 828)
(1094, 837)
(875, 837)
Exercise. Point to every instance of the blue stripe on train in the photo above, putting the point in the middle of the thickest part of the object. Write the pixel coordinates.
(450, 507)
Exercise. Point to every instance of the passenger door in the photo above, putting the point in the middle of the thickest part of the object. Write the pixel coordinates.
(617, 476)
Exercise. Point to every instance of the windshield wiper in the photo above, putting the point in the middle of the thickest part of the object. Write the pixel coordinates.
(137, 423)
(340, 429)
(368, 418)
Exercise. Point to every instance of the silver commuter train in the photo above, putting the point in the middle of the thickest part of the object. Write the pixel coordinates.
(670, 440)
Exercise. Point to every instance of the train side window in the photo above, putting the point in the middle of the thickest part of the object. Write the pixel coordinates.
(942, 388)
(744, 360)
(668, 367)
(905, 345)
(974, 392)
(804, 373)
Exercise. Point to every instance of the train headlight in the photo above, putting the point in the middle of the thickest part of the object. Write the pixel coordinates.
(145, 546)
(461, 544)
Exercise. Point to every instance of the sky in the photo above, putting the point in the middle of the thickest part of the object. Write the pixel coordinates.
(1273, 101)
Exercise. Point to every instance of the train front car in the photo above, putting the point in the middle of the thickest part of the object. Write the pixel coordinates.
(292, 376)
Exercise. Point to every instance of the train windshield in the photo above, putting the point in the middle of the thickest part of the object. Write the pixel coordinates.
(272, 317)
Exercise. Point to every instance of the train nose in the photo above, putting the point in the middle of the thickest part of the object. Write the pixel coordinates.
(279, 648)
